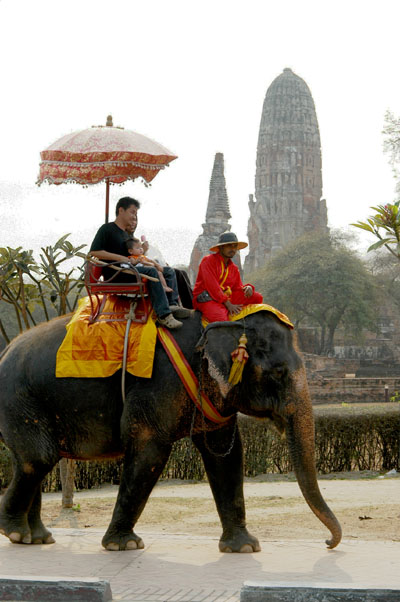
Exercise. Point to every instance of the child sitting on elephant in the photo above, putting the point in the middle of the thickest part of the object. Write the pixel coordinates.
(135, 250)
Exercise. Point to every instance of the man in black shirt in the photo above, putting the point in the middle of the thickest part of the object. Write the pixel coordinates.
(109, 244)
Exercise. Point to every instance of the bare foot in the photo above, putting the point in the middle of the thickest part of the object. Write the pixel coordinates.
(168, 289)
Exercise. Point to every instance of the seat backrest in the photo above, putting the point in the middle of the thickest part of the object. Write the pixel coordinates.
(92, 273)
(95, 273)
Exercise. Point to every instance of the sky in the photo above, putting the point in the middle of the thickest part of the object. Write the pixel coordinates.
(193, 76)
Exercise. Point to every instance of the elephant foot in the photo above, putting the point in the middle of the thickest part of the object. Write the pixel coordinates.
(20, 531)
(16, 533)
(40, 535)
(238, 540)
(116, 542)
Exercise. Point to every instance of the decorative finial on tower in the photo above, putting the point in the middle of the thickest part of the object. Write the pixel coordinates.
(109, 122)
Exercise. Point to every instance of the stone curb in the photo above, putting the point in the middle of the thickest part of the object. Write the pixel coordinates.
(254, 591)
(57, 589)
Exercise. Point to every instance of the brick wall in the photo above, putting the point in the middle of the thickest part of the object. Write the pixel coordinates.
(352, 390)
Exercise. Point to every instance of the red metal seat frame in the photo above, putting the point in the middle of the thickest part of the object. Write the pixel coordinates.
(99, 290)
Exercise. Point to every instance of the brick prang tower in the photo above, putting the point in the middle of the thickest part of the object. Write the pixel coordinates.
(217, 217)
(288, 182)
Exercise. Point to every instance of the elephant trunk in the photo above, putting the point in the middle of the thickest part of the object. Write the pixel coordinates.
(300, 436)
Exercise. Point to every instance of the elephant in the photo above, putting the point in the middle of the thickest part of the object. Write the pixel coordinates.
(44, 418)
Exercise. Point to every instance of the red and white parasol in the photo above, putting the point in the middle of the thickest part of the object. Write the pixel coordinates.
(103, 153)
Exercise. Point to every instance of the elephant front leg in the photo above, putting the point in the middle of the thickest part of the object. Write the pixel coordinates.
(225, 474)
(140, 473)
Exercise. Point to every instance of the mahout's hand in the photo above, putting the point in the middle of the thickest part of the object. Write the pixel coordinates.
(232, 308)
(248, 291)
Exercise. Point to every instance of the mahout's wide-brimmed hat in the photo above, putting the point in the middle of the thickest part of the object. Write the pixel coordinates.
(228, 238)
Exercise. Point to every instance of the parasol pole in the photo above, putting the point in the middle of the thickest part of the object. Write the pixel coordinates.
(107, 198)
(109, 123)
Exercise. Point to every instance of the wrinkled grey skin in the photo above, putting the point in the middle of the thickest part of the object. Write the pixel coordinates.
(43, 419)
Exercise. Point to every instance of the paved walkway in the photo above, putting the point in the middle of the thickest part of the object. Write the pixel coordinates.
(190, 569)
(187, 568)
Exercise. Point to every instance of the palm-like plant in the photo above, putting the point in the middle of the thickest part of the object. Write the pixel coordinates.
(384, 225)
(26, 284)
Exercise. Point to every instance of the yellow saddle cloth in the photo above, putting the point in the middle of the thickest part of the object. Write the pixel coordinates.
(253, 308)
(96, 350)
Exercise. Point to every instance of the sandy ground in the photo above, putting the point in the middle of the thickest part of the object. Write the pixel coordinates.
(366, 504)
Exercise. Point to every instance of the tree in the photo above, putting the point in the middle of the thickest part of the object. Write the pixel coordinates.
(15, 289)
(387, 219)
(391, 144)
(386, 271)
(26, 284)
(318, 280)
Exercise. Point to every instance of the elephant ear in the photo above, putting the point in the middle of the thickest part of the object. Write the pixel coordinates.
(216, 344)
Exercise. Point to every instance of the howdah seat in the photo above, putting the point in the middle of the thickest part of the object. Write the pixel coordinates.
(99, 289)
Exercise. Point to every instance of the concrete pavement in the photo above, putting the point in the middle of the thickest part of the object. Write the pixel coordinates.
(190, 569)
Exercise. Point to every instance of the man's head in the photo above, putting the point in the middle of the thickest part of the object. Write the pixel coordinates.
(134, 246)
(228, 244)
(229, 250)
(126, 213)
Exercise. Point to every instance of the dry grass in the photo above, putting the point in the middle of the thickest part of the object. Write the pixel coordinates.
(271, 517)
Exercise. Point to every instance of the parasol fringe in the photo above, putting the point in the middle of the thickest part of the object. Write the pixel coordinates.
(84, 184)
(85, 164)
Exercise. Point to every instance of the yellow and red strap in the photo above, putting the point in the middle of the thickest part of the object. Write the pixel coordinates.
(224, 274)
(187, 376)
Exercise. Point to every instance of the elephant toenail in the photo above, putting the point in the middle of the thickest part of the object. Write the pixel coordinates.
(246, 549)
(113, 547)
(132, 545)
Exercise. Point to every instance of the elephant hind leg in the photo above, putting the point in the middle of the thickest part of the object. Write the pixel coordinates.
(20, 506)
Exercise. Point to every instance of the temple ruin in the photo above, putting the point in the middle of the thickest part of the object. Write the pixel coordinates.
(217, 218)
(288, 182)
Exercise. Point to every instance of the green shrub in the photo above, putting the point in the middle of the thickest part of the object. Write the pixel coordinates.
(358, 437)
(350, 437)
